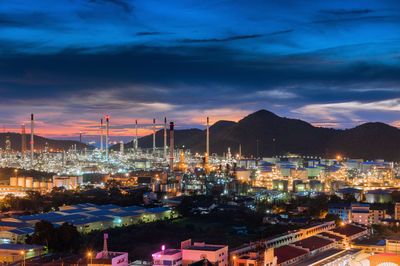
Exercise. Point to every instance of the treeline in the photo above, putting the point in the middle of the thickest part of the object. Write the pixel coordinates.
(64, 238)
(35, 202)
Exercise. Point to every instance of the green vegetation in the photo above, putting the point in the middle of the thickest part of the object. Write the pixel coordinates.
(64, 238)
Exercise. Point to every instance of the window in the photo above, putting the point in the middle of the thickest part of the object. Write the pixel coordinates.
(251, 264)
(241, 264)
(167, 262)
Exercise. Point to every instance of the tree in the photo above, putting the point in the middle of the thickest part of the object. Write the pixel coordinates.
(185, 207)
(68, 238)
(45, 234)
(333, 217)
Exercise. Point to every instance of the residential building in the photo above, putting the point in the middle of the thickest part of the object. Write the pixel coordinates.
(342, 210)
(360, 213)
(376, 215)
(393, 245)
(397, 211)
(216, 254)
(169, 257)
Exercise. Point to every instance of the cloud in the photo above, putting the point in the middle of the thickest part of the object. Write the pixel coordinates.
(235, 38)
(148, 33)
(228, 39)
(347, 11)
(352, 110)
(125, 5)
(276, 94)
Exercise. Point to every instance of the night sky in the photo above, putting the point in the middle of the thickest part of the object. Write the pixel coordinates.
(331, 63)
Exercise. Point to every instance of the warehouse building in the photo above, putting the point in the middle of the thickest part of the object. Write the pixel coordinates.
(86, 218)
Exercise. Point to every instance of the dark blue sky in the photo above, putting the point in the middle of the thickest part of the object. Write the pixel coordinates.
(332, 63)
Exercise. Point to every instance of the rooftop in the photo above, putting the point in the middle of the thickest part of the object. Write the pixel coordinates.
(320, 257)
(18, 247)
(157, 210)
(331, 236)
(205, 248)
(91, 220)
(167, 252)
(348, 230)
(13, 224)
(313, 243)
(286, 253)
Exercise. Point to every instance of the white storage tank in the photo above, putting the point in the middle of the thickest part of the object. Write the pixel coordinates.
(21, 181)
(13, 181)
(243, 174)
(29, 182)
(36, 184)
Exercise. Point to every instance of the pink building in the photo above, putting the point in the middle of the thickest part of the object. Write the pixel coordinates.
(191, 253)
(216, 254)
(170, 257)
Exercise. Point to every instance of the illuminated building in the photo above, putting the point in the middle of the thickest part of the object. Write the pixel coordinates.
(10, 253)
(167, 257)
(216, 254)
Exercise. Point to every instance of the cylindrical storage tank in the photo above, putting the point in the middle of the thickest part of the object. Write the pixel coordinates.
(49, 185)
(21, 181)
(36, 184)
(243, 174)
(29, 182)
(73, 182)
(43, 184)
(13, 181)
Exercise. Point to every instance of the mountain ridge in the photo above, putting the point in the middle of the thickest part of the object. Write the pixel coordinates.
(264, 133)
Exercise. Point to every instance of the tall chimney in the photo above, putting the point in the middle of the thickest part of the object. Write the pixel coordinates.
(154, 135)
(23, 140)
(107, 126)
(208, 138)
(101, 134)
(171, 146)
(136, 138)
(32, 146)
(80, 136)
(165, 138)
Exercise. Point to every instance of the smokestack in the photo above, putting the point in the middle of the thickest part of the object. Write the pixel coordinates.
(107, 126)
(121, 147)
(23, 140)
(208, 138)
(32, 146)
(154, 135)
(63, 160)
(171, 146)
(136, 138)
(101, 134)
(165, 138)
(80, 136)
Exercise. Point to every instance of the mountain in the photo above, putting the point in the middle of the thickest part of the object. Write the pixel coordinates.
(275, 135)
(369, 140)
(40, 142)
(266, 134)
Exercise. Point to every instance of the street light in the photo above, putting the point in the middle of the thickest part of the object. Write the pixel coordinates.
(90, 255)
(234, 259)
(23, 254)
